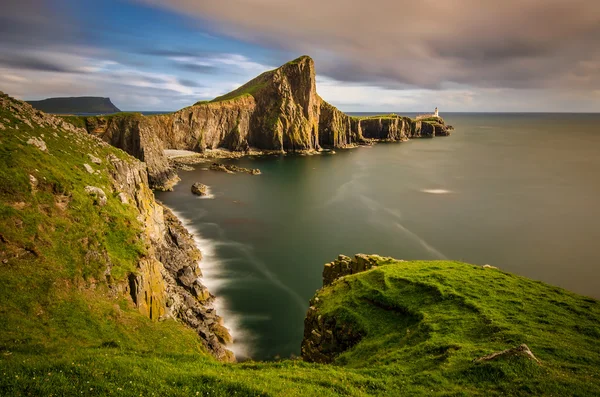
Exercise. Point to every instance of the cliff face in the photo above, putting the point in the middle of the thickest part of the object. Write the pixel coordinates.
(167, 282)
(325, 337)
(277, 111)
(138, 136)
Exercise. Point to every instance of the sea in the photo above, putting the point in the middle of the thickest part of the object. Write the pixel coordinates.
(517, 191)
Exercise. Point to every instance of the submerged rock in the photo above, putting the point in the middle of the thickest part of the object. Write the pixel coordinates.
(232, 169)
(199, 189)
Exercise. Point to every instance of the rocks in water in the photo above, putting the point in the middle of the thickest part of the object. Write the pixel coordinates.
(38, 143)
(98, 195)
(521, 350)
(199, 189)
(94, 159)
(232, 169)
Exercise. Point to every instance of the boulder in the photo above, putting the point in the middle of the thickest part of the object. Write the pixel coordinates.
(38, 143)
(98, 195)
(94, 159)
(88, 168)
(199, 189)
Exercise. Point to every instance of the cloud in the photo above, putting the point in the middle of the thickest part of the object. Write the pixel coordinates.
(400, 43)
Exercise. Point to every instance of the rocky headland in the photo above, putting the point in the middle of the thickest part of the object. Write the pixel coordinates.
(277, 112)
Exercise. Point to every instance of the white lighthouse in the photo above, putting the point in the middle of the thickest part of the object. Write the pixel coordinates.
(436, 112)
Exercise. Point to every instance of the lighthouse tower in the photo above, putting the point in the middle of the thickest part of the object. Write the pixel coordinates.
(436, 112)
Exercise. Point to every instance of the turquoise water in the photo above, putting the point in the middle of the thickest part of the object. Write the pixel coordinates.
(517, 191)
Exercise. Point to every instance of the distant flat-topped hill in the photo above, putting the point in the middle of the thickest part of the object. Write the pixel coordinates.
(82, 104)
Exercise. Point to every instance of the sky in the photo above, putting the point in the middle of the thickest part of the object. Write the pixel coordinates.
(376, 55)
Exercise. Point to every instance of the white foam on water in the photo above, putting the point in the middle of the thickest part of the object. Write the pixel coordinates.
(436, 191)
(208, 194)
(214, 278)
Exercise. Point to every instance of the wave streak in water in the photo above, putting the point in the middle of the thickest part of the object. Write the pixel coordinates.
(213, 278)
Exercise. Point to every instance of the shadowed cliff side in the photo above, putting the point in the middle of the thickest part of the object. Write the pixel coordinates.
(277, 111)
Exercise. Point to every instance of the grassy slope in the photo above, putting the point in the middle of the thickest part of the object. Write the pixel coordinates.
(253, 86)
(63, 333)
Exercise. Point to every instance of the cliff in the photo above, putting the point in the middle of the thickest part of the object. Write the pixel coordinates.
(83, 104)
(96, 231)
(279, 111)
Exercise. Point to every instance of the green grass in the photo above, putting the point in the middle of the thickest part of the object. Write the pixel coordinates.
(248, 89)
(65, 332)
(77, 121)
(253, 86)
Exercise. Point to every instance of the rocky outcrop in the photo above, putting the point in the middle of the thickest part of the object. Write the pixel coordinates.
(337, 129)
(519, 351)
(278, 111)
(199, 189)
(327, 335)
(138, 136)
(167, 282)
(345, 265)
(232, 169)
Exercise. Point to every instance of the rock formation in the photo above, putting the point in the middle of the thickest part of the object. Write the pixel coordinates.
(277, 111)
(325, 337)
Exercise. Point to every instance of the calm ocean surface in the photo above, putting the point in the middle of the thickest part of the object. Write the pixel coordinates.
(517, 191)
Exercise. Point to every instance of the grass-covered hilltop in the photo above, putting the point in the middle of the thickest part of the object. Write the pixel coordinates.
(100, 296)
(278, 111)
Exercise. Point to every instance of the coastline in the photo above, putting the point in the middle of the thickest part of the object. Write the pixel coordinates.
(210, 269)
